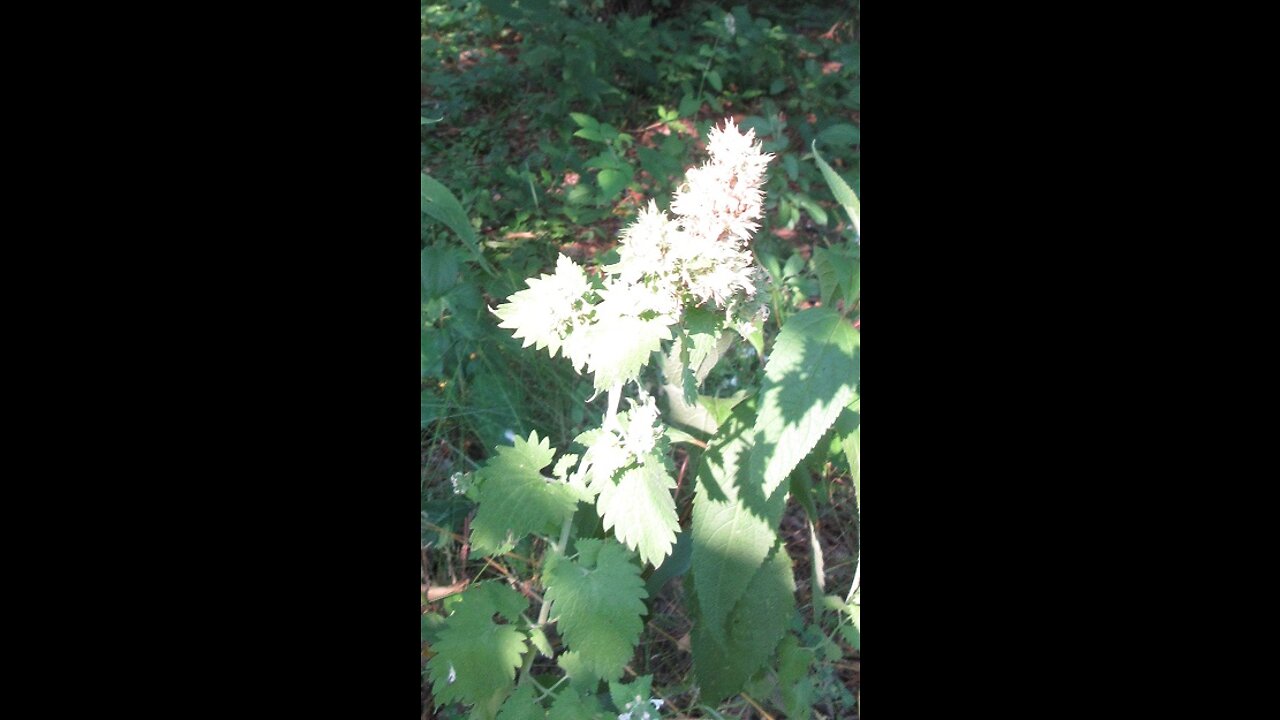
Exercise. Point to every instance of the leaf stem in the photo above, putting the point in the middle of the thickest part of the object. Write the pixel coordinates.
(545, 611)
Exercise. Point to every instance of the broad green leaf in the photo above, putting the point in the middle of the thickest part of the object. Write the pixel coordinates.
(613, 180)
(584, 120)
(514, 496)
(724, 662)
(812, 374)
(476, 658)
(839, 274)
(713, 77)
(844, 194)
(522, 705)
(440, 204)
(640, 509)
(676, 564)
(598, 604)
(842, 135)
(734, 523)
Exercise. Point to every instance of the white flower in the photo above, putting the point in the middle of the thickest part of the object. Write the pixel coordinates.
(453, 675)
(730, 24)
(657, 704)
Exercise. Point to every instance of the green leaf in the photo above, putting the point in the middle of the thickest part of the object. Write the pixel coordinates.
(570, 705)
(640, 509)
(724, 662)
(440, 204)
(844, 194)
(841, 135)
(839, 273)
(635, 696)
(522, 705)
(676, 564)
(794, 684)
(598, 603)
(476, 658)
(812, 374)
(514, 496)
(584, 120)
(733, 523)
(713, 77)
(611, 180)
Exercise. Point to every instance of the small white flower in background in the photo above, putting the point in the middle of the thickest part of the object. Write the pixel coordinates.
(453, 675)
(657, 703)
(636, 705)
(509, 435)
(730, 25)
(460, 482)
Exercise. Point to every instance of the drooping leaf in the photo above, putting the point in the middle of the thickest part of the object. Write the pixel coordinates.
(441, 205)
(724, 662)
(598, 602)
(640, 509)
(811, 375)
(514, 496)
(476, 658)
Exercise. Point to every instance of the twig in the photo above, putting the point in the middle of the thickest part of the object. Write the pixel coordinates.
(756, 705)
(545, 611)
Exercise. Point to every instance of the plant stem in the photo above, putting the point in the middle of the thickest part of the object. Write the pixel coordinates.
(545, 611)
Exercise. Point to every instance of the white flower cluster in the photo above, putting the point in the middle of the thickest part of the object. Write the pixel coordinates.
(638, 706)
(702, 253)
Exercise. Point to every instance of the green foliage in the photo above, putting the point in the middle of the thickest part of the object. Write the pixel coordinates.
(515, 498)
(597, 601)
(725, 658)
(475, 657)
(545, 127)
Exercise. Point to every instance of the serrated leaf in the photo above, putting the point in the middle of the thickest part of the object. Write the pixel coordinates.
(724, 662)
(844, 194)
(839, 274)
(543, 313)
(734, 523)
(811, 375)
(598, 604)
(570, 705)
(476, 658)
(620, 348)
(514, 496)
(640, 509)
(522, 705)
(635, 695)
